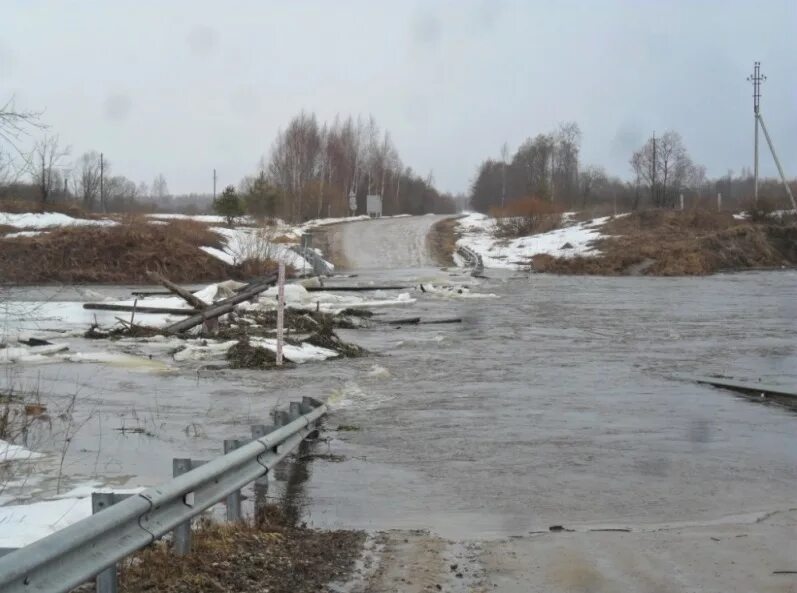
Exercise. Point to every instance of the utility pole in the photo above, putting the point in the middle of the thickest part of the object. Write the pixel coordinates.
(653, 177)
(214, 186)
(102, 182)
(757, 78)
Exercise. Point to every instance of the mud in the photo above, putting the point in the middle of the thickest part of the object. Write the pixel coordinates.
(272, 555)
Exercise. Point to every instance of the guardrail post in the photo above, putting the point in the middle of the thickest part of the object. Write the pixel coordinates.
(261, 484)
(181, 536)
(233, 501)
(282, 417)
(108, 580)
(295, 410)
(306, 405)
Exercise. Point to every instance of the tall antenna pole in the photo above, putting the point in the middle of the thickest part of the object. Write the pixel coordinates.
(214, 186)
(102, 182)
(653, 177)
(756, 78)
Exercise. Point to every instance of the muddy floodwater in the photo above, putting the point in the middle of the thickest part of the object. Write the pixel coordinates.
(555, 403)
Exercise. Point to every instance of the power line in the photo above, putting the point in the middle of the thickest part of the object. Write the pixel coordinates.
(757, 78)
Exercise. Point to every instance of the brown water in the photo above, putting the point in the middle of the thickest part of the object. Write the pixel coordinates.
(554, 403)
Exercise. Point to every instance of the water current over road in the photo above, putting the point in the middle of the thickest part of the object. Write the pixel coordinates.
(552, 404)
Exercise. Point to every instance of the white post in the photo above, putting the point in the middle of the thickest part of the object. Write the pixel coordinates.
(719, 202)
(280, 310)
(682, 201)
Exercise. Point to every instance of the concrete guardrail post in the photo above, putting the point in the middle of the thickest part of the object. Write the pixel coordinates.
(233, 501)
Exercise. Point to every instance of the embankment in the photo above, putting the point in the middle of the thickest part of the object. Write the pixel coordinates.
(122, 253)
(676, 243)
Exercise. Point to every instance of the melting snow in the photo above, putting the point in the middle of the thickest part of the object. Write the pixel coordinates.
(10, 452)
(477, 234)
(46, 220)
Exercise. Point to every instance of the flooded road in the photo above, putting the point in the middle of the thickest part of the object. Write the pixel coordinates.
(552, 404)
(384, 243)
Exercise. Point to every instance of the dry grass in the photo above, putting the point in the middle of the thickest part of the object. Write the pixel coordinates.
(69, 208)
(674, 243)
(526, 216)
(284, 239)
(442, 240)
(272, 555)
(7, 228)
(118, 254)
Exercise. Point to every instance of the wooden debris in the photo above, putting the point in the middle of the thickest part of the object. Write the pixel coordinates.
(222, 307)
(138, 309)
(353, 288)
(418, 320)
(189, 298)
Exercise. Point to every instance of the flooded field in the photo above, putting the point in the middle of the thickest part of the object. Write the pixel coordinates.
(553, 403)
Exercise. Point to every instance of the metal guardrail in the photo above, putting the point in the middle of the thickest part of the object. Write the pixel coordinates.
(92, 547)
(318, 263)
(472, 260)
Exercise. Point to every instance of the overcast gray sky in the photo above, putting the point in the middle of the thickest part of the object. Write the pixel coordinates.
(183, 87)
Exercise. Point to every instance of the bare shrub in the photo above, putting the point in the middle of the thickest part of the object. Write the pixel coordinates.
(526, 216)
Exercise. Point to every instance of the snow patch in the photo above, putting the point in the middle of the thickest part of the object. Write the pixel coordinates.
(10, 452)
(570, 241)
(47, 220)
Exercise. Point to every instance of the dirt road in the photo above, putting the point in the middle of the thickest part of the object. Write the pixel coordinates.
(383, 243)
(754, 553)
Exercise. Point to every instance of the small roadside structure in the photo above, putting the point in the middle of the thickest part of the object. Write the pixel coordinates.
(374, 206)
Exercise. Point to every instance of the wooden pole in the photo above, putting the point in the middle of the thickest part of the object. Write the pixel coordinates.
(189, 298)
(280, 311)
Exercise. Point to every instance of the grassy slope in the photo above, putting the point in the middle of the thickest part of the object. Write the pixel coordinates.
(120, 254)
(672, 243)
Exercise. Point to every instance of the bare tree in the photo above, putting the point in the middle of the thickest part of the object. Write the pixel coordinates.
(47, 156)
(87, 178)
(592, 179)
(160, 190)
(665, 166)
(15, 124)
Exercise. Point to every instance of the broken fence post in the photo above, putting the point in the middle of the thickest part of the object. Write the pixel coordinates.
(181, 536)
(233, 501)
(280, 311)
(108, 580)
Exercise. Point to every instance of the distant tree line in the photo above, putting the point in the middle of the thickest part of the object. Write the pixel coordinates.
(314, 169)
(547, 167)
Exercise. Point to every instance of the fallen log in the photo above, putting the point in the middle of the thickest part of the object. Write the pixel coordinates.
(139, 309)
(189, 298)
(418, 320)
(149, 293)
(222, 307)
(405, 321)
(353, 288)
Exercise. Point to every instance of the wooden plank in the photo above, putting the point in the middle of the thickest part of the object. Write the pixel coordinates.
(139, 309)
(756, 388)
(222, 307)
(148, 293)
(354, 288)
(189, 298)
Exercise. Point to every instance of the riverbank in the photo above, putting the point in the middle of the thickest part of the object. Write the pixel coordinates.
(271, 553)
(650, 242)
